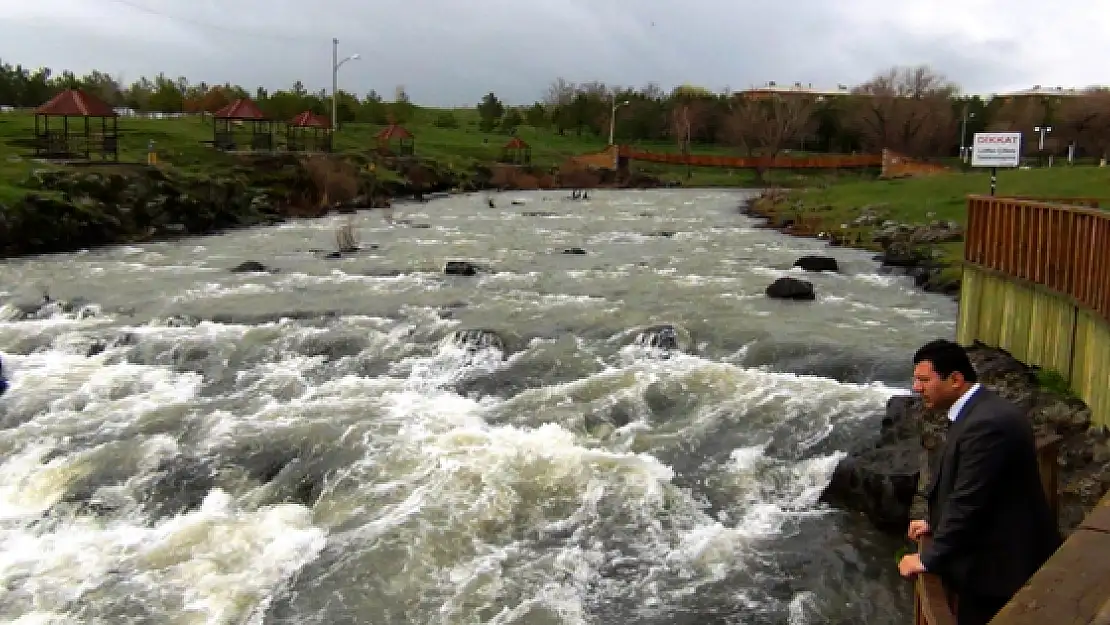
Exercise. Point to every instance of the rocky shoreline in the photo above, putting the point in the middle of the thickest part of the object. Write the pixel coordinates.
(910, 249)
(82, 207)
(884, 478)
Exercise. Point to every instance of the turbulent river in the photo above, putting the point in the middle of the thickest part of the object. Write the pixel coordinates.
(324, 444)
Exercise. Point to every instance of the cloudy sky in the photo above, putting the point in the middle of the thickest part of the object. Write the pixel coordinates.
(450, 52)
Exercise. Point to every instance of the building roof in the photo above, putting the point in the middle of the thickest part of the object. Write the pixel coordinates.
(308, 119)
(75, 103)
(243, 108)
(393, 131)
(1038, 90)
(796, 89)
(516, 143)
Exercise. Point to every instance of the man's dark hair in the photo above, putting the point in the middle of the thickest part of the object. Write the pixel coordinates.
(947, 358)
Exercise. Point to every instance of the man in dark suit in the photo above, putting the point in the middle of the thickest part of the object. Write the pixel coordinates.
(989, 518)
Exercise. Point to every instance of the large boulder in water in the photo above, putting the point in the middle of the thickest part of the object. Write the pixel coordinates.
(462, 268)
(791, 288)
(817, 263)
(881, 479)
(250, 266)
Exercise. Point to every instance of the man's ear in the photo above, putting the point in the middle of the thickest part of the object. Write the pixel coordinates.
(956, 378)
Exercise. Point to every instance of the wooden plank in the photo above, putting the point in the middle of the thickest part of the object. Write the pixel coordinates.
(932, 604)
(1069, 589)
(1099, 518)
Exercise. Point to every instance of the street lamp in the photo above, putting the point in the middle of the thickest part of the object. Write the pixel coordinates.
(613, 117)
(335, 63)
(1042, 130)
(1040, 143)
(963, 134)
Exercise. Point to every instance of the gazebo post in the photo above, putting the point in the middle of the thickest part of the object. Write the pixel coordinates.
(88, 139)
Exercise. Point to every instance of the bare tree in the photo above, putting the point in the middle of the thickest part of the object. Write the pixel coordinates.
(906, 109)
(560, 93)
(768, 125)
(686, 116)
(1021, 114)
(1085, 122)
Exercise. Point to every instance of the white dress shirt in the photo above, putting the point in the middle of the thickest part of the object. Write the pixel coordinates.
(954, 411)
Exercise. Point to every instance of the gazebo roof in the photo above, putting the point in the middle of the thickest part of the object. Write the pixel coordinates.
(393, 131)
(243, 108)
(308, 119)
(75, 103)
(516, 143)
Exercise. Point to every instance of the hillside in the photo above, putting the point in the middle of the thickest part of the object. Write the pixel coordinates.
(180, 142)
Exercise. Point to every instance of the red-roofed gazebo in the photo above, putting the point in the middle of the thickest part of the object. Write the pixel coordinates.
(240, 112)
(517, 152)
(308, 132)
(72, 143)
(406, 143)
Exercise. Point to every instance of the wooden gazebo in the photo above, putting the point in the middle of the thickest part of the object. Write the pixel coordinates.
(241, 112)
(76, 141)
(516, 152)
(406, 143)
(308, 132)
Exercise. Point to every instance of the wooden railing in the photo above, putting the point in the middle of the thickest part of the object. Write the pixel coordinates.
(933, 604)
(1073, 586)
(1063, 248)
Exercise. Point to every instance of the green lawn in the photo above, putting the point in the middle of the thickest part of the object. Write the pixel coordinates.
(180, 142)
(944, 196)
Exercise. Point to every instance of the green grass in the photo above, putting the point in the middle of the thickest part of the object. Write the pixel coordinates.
(1054, 382)
(180, 143)
(944, 196)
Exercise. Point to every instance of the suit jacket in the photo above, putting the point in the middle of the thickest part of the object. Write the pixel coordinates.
(991, 523)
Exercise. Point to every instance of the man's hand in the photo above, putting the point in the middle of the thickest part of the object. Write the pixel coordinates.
(911, 566)
(918, 529)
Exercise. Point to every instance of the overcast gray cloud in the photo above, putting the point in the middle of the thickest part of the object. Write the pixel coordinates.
(448, 52)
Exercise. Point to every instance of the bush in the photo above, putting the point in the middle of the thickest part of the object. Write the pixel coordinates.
(446, 119)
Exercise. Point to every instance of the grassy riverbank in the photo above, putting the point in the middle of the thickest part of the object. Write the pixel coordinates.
(180, 143)
(869, 213)
(195, 189)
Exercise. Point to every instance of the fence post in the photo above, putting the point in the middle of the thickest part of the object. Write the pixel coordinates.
(1048, 450)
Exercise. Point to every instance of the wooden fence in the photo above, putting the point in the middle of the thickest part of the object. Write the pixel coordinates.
(933, 604)
(1037, 284)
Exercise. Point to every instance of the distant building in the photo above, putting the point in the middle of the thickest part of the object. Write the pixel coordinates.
(773, 90)
(1040, 92)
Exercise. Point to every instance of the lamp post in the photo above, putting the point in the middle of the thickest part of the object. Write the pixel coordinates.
(613, 117)
(613, 128)
(1040, 143)
(335, 64)
(963, 135)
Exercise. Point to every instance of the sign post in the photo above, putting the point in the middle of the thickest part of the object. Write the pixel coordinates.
(994, 150)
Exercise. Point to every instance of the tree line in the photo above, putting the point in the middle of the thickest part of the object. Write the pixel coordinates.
(916, 111)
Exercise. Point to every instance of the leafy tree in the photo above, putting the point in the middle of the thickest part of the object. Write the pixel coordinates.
(490, 111)
(511, 121)
(536, 116)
